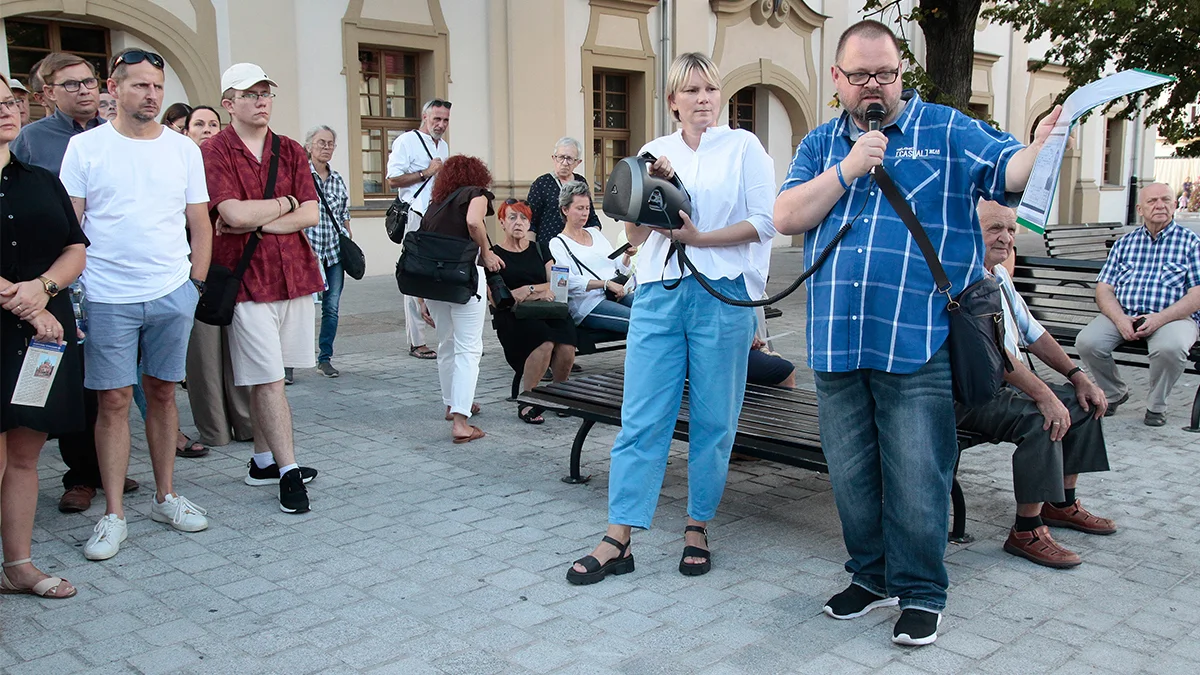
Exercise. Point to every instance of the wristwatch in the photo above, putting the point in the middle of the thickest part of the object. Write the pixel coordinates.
(49, 285)
(532, 290)
(199, 285)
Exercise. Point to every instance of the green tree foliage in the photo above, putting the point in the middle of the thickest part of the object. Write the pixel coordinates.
(1090, 37)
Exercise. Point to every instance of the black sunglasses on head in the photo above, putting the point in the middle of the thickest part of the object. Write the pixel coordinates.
(439, 103)
(510, 201)
(137, 56)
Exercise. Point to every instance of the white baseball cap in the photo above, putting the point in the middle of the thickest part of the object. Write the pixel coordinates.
(243, 76)
(14, 83)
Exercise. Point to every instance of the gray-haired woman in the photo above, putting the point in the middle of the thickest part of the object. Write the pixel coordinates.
(547, 220)
(334, 218)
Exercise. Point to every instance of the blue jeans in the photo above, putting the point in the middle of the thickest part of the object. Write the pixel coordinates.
(891, 446)
(673, 333)
(610, 316)
(334, 278)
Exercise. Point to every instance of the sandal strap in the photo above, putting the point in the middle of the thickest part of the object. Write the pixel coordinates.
(696, 552)
(589, 563)
(697, 528)
(621, 548)
(15, 563)
(45, 586)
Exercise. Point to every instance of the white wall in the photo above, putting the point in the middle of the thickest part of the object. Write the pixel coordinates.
(470, 118)
(322, 86)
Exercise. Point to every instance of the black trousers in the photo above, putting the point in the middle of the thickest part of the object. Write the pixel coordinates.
(78, 450)
(1039, 464)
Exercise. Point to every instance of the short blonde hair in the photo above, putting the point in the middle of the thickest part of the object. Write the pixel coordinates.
(681, 72)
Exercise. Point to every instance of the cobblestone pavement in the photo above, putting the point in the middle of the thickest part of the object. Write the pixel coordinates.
(423, 557)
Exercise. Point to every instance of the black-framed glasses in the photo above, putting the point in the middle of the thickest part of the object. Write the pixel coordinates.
(137, 56)
(883, 77)
(512, 200)
(439, 103)
(564, 159)
(73, 86)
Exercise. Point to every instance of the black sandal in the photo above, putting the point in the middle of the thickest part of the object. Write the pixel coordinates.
(695, 569)
(532, 414)
(621, 564)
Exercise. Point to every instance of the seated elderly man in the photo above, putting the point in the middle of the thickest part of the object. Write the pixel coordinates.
(1056, 427)
(1148, 290)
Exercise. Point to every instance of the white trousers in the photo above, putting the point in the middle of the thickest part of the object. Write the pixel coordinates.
(460, 344)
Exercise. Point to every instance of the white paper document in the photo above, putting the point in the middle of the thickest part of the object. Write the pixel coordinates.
(1043, 180)
(558, 281)
(37, 373)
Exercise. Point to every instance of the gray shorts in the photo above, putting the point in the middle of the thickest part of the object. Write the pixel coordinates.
(161, 327)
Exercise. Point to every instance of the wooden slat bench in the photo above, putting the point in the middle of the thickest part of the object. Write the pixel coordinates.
(1061, 295)
(779, 425)
(1081, 241)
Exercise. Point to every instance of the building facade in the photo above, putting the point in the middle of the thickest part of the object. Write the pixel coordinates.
(522, 73)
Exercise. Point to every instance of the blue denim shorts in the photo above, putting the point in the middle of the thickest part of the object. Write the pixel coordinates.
(161, 327)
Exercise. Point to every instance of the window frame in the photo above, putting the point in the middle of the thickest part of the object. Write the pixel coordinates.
(54, 36)
(736, 119)
(385, 124)
(604, 137)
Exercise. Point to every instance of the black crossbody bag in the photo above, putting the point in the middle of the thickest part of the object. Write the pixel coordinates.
(978, 359)
(349, 254)
(396, 219)
(437, 266)
(222, 284)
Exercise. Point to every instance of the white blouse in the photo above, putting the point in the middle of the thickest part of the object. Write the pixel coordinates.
(580, 301)
(730, 178)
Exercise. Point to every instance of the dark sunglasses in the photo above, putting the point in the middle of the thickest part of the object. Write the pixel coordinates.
(439, 103)
(137, 56)
(510, 201)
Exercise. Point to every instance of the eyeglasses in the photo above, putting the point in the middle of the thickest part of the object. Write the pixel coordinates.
(10, 105)
(325, 144)
(564, 159)
(510, 201)
(439, 103)
(884, 77)
(73, 86)
(133, 56)
(253, 97)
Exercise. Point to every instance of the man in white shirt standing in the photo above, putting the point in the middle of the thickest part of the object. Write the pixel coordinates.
(135, 186)
(413, 166)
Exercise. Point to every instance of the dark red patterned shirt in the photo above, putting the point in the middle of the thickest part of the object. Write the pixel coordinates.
(284, 266)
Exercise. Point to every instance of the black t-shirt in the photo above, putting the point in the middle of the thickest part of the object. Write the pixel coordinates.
(527, 268)
(449, 217)
(37, 221)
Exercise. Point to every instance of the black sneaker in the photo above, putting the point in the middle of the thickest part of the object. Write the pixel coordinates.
(270, 475)
(293, 497)
(289, 376)
(856, 601)
(916, 627)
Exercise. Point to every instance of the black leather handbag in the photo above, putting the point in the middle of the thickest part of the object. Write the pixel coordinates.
(978, 359)
(354, 263)
(222, 284)
(438, 266)
(395, 221)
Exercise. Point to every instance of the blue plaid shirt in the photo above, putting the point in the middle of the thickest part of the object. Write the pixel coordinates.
(874, 304)
(324, 235)
(1149, 275)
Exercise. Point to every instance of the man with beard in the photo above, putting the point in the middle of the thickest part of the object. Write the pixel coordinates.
(877, 325)
(413, 166)
(135, 187)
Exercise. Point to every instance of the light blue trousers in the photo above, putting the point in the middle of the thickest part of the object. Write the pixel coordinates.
(673, 333)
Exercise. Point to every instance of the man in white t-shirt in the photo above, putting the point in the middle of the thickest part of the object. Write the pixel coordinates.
(413, 166)
(135, 187)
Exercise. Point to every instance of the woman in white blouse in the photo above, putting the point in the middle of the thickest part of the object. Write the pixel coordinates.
(592, 271)
(683, 331)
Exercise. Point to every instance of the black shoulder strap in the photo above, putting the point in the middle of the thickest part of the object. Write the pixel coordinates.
(914, 228)
(419, 138)
(577, 260)
(328, 210)
(268, 193)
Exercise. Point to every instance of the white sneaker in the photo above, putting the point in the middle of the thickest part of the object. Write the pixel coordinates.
(106, 538)
(179, 512)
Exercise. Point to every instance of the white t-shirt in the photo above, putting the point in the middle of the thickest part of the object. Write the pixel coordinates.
(580, 301)
(408, 156)
(136, 192)
(730, 178)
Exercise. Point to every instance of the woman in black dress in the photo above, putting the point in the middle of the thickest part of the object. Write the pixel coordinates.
(530, 344)
(41, 251)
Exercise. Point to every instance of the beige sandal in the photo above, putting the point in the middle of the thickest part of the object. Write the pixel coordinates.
(46, 588)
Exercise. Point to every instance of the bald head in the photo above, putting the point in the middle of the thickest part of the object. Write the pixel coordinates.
(1156, 206)
(999, 225)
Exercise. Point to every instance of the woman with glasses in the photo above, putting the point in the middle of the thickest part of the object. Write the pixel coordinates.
(534, 343)
(677, 330)
(48, 254)
(597, 287)
(547, 219)
(175, 117)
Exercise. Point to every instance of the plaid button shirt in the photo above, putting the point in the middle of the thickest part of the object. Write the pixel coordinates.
(1148, 275)
(324, 235)
(874, 304)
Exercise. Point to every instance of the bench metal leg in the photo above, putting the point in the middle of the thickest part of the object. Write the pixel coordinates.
(958, 534)
(1195, 427)
(576, 450)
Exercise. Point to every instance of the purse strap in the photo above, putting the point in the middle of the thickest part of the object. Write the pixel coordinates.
(328, 211)
(902, 209)
(577, 260)
(268, 193)
(430, 154)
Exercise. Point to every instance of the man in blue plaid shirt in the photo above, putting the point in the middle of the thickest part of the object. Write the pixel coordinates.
(335, 217)
(1149, 289)
(877, 324)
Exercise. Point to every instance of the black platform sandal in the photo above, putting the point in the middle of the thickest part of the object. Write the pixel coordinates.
(621, 564)
(695, 569)
(532, 414)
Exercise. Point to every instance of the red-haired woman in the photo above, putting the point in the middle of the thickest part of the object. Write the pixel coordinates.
(530, 344)
(459, 203)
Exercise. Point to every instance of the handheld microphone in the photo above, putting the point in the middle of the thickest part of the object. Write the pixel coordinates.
(875, 114)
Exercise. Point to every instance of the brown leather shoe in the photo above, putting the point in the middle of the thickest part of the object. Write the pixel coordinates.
(1039, 547)
(1077, 518)
(77, 499)
(131, 485)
